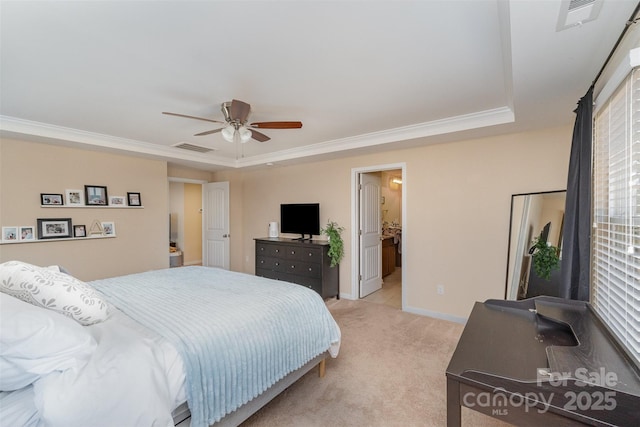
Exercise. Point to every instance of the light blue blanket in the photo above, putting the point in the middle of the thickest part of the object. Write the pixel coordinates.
(238, 334)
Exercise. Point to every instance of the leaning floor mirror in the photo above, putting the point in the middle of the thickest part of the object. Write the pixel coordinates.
(533, 215)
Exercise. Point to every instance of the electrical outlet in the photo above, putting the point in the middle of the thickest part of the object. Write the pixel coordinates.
(440, 289)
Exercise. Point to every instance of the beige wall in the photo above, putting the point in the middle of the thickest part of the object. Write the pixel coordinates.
(192, 224)
(458, 199)
(28, 169)
(457, 209)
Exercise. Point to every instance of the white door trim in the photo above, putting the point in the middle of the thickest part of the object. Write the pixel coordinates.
(355, 238)
(187, 180)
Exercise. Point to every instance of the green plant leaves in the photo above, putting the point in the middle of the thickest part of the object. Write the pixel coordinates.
(336, 245)
(545, 259)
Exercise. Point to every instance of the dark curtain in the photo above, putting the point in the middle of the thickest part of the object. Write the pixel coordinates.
(576, 234)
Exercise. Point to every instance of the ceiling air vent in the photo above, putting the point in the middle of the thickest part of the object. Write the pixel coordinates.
(192, 147)
(574, 13)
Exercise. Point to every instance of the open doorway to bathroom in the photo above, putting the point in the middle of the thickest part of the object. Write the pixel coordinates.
(390, 229)
(185, 218)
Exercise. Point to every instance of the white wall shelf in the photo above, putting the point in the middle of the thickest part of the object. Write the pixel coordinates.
(91, 207)
(17, 242)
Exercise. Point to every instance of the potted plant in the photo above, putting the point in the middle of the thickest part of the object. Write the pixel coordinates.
(545, 258)
(336, 246)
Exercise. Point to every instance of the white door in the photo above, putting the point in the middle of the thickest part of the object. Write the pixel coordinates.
(370, 243)
(215, 225)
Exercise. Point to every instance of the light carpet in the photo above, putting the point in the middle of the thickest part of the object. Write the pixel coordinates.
(390, 372)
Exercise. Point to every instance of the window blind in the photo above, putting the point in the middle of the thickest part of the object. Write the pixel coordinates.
(616, 212)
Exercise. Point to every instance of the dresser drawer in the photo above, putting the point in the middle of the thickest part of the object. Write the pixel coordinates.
(270, 274)
(270, 250)
(301, 268)
(309, 282)
(304, 254)
(275, 264)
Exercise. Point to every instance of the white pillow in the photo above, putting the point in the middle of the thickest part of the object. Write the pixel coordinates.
(48, 288)
(35, 342)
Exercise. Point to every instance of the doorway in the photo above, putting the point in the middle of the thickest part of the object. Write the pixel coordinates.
(185, 217)
(390, 229)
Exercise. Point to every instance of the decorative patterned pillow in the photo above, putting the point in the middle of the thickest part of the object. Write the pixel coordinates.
(54, 290)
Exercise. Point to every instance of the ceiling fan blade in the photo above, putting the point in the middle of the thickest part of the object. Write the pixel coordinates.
(277, 125)
(261, 137)
(191, 117)
(239, 110)
(209, 132)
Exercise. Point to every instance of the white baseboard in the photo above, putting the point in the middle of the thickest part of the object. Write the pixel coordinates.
(419, 311)
(437, 315)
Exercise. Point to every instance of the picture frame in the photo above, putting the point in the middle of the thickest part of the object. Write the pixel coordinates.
(79, 231)
(47, 199)
(117, 201)
(134, 199)
(108, 228)
(74, 197)
(10, 234)
(27, 233)
(54, 228)
(95, 195)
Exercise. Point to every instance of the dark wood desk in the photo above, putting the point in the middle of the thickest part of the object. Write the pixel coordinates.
(542, 361)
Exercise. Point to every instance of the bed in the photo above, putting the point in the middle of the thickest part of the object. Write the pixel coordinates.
(154, 347)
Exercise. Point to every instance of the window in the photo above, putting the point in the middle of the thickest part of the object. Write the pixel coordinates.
(616, 212)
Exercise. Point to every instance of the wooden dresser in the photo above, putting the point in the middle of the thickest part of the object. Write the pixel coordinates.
(306, 263)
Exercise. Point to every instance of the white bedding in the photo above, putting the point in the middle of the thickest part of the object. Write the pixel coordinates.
(154, 386)
(133, 375)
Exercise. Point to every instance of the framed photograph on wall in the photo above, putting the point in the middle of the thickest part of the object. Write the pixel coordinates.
(51, 199)
(95, 195)
(117, 201)
(108, 228)
(134, 199)
(54, 228)
(9, 234)
(27, 233)
(74, 197)
(79, 231)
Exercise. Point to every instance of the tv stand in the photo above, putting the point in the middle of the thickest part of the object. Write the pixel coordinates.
(304, 262)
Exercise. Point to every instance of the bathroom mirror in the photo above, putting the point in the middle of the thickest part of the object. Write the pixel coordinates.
(531, 215)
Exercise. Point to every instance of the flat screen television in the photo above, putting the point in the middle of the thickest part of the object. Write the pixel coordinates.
(300, 218)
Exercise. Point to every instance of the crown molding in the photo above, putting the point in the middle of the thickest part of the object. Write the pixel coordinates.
(78, 137)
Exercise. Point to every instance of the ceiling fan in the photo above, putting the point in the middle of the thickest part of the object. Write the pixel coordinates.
(236, 128)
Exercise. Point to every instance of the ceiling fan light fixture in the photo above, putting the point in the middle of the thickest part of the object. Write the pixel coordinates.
(245, 134)
(227, 133)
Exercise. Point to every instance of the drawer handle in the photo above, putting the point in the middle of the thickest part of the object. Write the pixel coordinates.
(262, 249)
(293, 252)
(309, 268)
(277, 263)
(293, 266)
(310, 253)
(261, 261)
(277, 250)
